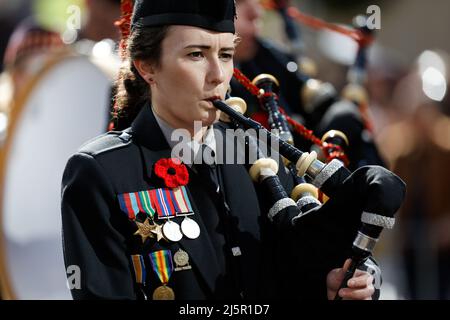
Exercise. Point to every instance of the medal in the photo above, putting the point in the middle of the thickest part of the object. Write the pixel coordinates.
(157, 231)
(171, 203)
(163, 293)
(181, 259)
(236, 251)
(145, 230)
(190, 228)
(171, 230)
(162, 265)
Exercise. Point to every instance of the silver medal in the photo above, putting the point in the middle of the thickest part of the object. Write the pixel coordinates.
(190, 228)
(181, 259)
(171, 231)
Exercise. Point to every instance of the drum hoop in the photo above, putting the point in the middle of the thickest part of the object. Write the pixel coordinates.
(16, 110)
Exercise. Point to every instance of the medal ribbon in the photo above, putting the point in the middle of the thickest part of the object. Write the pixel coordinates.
(146, 204)
(182, 200)
(169, 202)
(135, 202)
(162, 201)
(128, 205)
(162, 264)
(139, 268)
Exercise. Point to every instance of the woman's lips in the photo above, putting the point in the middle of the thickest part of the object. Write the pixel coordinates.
(213, 98)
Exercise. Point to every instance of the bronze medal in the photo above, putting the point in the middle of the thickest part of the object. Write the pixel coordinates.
(163, 293)
(145, 229)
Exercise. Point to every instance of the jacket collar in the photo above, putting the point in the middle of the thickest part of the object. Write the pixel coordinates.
(146, 131)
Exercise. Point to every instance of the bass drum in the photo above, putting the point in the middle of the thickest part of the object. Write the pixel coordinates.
(64, 105)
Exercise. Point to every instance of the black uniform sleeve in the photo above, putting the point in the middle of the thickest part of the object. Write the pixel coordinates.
(90, 239)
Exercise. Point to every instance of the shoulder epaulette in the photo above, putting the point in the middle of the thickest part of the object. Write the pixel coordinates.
(107, 142)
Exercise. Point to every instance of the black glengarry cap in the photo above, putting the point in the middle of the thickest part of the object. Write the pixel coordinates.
(215, 15)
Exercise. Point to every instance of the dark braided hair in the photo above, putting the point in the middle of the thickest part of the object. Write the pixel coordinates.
(132, 90)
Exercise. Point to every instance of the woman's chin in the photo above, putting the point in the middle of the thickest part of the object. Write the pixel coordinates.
(208, 122)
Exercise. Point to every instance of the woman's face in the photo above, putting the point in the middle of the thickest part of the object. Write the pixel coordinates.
(196, 67)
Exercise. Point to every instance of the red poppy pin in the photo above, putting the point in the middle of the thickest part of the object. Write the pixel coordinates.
(172, 171)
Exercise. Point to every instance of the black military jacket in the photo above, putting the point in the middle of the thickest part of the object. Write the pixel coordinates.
(99, 238)
(276, 263)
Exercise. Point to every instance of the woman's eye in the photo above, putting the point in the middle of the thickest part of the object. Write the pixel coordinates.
(226, 56)
(196, 54)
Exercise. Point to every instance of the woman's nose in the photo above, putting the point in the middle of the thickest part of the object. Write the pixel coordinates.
(215, 73)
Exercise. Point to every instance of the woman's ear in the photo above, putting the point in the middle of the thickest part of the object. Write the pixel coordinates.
(145, 70)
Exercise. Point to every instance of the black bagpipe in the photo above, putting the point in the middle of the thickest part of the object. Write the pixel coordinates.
(325, 111)
(336, 141)
(284, 210)
(369, 197)
(304, 193)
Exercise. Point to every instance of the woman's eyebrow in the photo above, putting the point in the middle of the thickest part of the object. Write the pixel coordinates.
(228, 48)
(200, 46)
(206, 47)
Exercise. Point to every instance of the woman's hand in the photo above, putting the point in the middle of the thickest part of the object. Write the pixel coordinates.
(360, 286)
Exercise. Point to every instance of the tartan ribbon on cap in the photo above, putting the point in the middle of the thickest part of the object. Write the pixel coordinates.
(124, 24)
